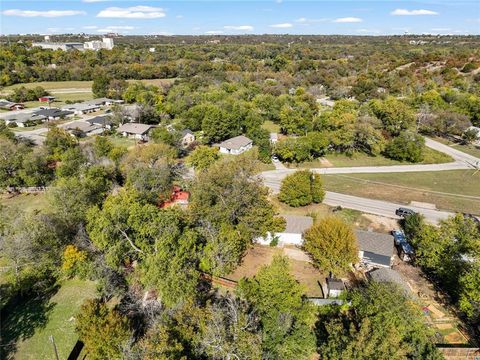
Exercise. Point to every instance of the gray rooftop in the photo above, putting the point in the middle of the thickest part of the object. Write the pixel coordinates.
(383, 275)
(297, 224)
(236, 143)
(81, 125)
(374, 242)
(135, 128)
(100, 120)
(23, 117)
(335, 284)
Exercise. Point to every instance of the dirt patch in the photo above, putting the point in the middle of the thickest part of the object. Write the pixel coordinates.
(454, 338)
(380, 223)
(296, 254)
(325, 162)
(435, 313)
(444, 326)
(301, 270)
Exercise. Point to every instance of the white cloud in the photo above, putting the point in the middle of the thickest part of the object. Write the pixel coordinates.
(239, 27)
(368, 31)
(179, 16)
(117, 29)
(133, 12)
(304, 20)
(348, 20)
(46, 13)
(214, 32)
(281, 26)
(405, 12)
(90, 27)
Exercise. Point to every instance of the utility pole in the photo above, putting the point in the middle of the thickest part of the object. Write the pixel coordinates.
(54, 346)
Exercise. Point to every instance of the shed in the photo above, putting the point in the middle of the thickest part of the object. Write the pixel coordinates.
(46, 98)
(335, 287)
(187, 138)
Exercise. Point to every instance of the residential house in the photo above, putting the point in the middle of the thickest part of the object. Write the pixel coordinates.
(46, 99)
(82, 128)
(236, 145)
(81, 108)
(24, 119)
(335, 287)
(178, 197)
(187, 137)
(375, 249)
(10, 105)
(135, 131)
(54, 114)
(103, 102)
(105, 121)
(295, 226)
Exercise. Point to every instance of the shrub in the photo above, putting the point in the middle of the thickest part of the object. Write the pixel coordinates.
(301, 188)
(406, 146)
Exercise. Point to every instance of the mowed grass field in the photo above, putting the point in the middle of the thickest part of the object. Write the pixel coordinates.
(30, 325)
(455, 190)
(80, 85)
(24, 202)
(360, 159)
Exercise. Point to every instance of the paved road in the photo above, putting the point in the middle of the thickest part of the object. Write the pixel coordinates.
(274, 178)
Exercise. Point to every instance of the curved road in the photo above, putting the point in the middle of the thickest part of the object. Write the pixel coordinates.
(462, 160)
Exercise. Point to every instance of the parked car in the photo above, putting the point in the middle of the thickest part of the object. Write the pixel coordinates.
(275, 159)
(403, 212)
(399, 237)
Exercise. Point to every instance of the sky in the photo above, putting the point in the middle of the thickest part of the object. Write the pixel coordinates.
(203, 17)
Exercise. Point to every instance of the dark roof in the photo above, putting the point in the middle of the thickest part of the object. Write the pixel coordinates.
(335, 284)
(236, 143)
(375, 259)
(53, 112)
(100, 120)
(375, 243)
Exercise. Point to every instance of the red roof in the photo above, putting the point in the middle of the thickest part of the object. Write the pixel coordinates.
(178, 196)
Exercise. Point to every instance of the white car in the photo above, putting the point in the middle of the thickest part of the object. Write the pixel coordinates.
(275, 159)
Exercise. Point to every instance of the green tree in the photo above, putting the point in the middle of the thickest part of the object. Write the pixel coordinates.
(301, 188)
(102, 146)
(100, 86)
(104, 331)
(381, 324)
(395, 115)
(286, 317)
(332, 245)
(35, 169)
(406, 147)
(58, 141)
(202, 157)
(153, 184)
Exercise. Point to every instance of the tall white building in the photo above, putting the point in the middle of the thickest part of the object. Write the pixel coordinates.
(108, 43)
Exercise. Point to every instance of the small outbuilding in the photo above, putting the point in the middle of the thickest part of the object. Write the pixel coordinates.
(236, 145)
(46, 99)
(187, 137)
(335, 287)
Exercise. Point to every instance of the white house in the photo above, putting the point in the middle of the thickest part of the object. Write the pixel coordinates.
(81, 108)
(82, 128)
(24, 119)
(375, 249)
(236, 145)
(296, 225)
(135, 131)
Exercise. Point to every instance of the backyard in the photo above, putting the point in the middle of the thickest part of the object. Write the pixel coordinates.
(27, 327)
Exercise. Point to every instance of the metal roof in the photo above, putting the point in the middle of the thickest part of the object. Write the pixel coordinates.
(236, 143)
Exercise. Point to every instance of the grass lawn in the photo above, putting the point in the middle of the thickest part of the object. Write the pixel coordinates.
(270, 126)
(57, 315)
(455, 190)
(56, 85)
(468, 149)
(361, 159)
(25, 202)
(122, 141)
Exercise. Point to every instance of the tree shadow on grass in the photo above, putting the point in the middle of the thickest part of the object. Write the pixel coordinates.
(22, 317)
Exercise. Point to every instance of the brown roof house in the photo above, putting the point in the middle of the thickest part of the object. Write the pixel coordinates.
(135, 131)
